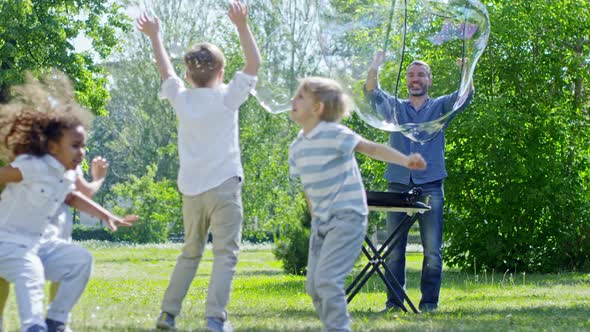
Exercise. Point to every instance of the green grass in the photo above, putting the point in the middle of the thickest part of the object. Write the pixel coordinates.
(128, 282)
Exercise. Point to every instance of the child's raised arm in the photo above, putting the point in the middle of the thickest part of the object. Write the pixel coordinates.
(78, 201)
(385, 153)
(238, 14)
(98, 168)
(151, 28)
(10, 174)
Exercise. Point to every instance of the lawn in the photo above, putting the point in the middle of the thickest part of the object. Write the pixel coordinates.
(128, 282)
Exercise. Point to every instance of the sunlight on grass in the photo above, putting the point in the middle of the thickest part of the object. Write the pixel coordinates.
(128, 283)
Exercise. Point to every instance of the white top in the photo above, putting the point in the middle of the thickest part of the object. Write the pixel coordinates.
(61, 225)
(28, 206)
(208, 139)
(324, 160)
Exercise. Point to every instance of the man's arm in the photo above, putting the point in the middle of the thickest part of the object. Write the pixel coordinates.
(238, 14)
(151, 28)
(373, 74)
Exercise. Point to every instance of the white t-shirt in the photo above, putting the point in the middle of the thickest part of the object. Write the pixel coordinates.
(28, 206)
(208, 138)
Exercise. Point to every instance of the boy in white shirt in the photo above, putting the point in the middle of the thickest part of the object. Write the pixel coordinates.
(210, 174)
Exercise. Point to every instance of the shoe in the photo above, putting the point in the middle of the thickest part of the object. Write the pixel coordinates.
(215, 324)
(166, 321)
(428, 307)
(55, 326)
(36, 328)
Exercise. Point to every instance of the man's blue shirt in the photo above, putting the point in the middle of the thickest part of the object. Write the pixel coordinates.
(432, 151)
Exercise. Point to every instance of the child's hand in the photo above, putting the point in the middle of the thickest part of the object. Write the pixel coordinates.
(238, 13)
(99, 168)
(378, 60)
(127, 221)
(151, 27)
(415, 161)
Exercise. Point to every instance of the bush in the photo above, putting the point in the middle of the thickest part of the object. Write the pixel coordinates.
(292, 244)
(158, 204)
(85, 233)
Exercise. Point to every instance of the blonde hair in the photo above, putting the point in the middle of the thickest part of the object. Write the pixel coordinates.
(38, 113)
(330, 93)
(203, 62)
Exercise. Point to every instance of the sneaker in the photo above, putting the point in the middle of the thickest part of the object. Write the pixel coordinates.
(55, 326)
(36, 328)
(166, 321)
(215, 324)
(428, 307)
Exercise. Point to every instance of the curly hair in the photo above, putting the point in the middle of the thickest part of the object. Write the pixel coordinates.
(39, 112)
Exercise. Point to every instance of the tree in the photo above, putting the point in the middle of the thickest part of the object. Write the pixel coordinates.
(37, 35)
(518, 192)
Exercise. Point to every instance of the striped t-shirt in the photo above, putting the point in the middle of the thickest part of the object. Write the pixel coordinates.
(324, 161)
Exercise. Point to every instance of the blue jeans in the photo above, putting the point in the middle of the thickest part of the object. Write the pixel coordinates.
(431, 229)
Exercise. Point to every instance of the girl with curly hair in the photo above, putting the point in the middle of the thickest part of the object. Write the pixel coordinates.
(42, 136)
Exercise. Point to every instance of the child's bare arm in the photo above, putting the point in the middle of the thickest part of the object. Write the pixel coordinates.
(238, 14)
(78, 201)
(385, 153)
(151, 28)
(10, 174)
(98, 168)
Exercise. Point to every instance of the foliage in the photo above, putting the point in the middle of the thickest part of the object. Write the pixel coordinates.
(36, 35)
(291, 248)
(157, 203)
(85, 233)
(518, 192)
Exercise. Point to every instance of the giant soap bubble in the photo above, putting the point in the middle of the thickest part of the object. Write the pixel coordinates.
(439, 32)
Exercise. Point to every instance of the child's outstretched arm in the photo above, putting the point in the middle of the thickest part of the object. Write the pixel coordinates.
(10, 174)
(385, 153)
(238, 14)
(151, 28)
(78, 201)
(98, 168)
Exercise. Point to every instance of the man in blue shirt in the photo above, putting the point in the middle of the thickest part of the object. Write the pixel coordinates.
(418, 108)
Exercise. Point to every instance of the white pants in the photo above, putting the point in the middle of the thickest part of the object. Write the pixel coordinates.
(334, 246)
(27, 268)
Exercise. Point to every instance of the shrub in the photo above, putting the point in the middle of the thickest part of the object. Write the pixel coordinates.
(158, 204)
(292, 244)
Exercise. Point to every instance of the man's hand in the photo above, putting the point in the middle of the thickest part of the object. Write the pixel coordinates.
(378, 60)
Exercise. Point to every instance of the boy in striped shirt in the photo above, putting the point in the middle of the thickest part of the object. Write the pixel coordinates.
(322, 156)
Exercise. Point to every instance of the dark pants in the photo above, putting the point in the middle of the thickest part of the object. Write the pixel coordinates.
(431, 229)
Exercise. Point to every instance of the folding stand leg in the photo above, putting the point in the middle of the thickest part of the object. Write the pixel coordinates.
(377, 259)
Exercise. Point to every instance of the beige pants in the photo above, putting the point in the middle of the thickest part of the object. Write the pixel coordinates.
(220, 211)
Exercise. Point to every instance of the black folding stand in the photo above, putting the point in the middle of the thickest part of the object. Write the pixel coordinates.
(412, 203)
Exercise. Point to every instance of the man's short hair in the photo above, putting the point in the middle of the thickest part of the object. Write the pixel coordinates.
(420, 63)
